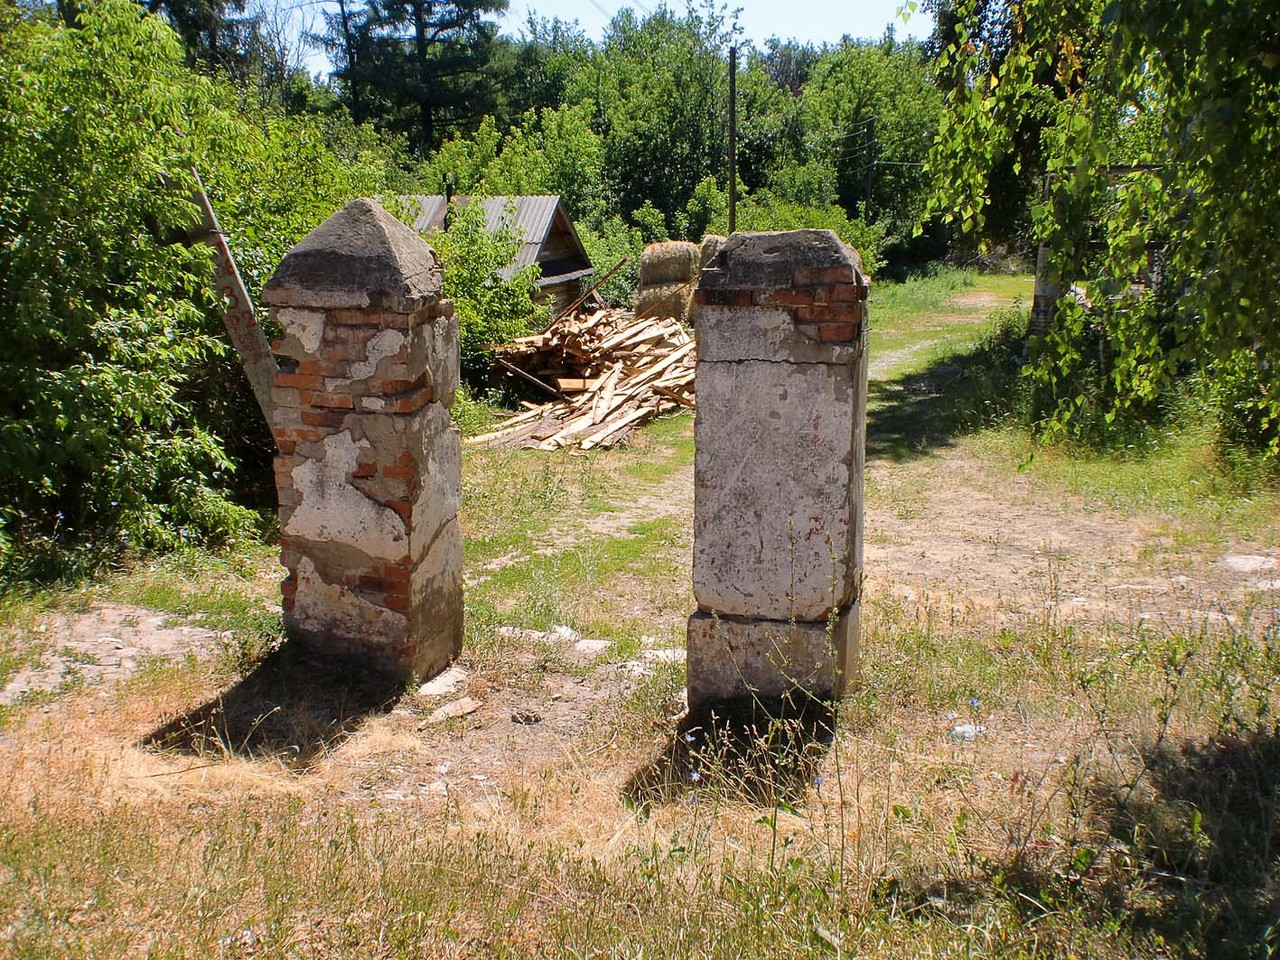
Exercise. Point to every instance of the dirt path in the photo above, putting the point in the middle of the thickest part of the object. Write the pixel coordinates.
(944, 529)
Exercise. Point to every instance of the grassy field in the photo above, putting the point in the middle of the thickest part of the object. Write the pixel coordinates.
(1062, 744)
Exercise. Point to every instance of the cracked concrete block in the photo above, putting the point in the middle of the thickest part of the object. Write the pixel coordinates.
(731, 659)
(779, 438)
(333, 508)
(777, 497)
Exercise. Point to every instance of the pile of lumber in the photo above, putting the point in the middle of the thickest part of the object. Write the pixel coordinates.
(609, 371)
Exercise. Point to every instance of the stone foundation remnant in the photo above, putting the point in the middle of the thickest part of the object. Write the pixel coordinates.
(780, 321)
(369, 466)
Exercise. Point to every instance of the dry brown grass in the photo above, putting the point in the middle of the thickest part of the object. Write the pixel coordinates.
(1120, 802)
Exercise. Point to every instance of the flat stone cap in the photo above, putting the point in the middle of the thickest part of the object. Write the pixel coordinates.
(361, 256)
(784, 258)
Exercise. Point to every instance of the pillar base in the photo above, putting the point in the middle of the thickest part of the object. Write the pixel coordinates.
(730, 659)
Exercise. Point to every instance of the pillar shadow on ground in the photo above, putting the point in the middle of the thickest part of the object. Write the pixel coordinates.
(757, 751)
(926, 410)
(291, 708)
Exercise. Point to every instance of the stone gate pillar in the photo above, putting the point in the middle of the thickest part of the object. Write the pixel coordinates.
(780, 321)
(369, 465)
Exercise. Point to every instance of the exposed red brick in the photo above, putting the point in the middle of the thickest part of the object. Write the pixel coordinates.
(847, 293)
(393, 386)
(399, 473)
(323, 418)
(296, 435)
(396, 602)
(366, 469)
(402, 506)
(356, 318)
(319, 368)
(301, 381)
(787, 297)
(285, 446)
(838, 332)
(409, 402)
(829, 313)
(337, 401)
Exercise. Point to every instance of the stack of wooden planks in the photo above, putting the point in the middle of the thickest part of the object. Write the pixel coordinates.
(609, 371)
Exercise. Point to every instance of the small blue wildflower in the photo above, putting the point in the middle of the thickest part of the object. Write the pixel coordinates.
(975, 703)
(693, 798)
(695, 776)
(818, 782)
(689, 738)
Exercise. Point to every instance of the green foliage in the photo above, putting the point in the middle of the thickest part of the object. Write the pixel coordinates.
(708, 205)
(415, 68)
(127, 423)
(873, 102)
(533, 71)
(1161, 163)
(494, 305)
(552, 151)
(660, 87)
(766, 212)
(102, 319)
(614, 242)
(651, 223)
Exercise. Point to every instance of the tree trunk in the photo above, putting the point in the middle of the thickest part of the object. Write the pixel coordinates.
(421, 11)
(357, 112)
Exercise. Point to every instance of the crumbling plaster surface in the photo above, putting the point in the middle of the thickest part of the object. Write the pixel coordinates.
(333, 509)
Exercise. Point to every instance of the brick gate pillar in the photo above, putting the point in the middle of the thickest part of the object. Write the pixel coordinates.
(780, 321)
(369, 466)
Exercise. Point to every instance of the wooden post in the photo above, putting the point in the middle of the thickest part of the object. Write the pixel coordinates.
(243, 328)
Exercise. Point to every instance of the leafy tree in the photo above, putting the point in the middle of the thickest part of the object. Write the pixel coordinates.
(491, 309)
(102, 318)
(554, 151)
(770, 130)
(125, 420)
(416, 66)
(533, 71)
(614, 242)
(659, 87)
(788, 63)
(1161, 154)
(870, 110)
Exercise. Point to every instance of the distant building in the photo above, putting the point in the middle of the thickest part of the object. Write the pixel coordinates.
(548, 239)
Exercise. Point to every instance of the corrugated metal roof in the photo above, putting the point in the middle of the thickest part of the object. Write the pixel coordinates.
(430, 211)
(528, 217)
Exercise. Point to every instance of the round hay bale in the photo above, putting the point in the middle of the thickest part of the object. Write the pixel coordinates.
(711, 245)
(665, 299)
(668, 262)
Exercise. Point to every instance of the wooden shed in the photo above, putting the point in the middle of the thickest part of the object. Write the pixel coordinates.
(548, 238)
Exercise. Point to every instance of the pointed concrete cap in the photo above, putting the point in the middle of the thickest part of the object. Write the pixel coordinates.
(770, 260)
(360, 257)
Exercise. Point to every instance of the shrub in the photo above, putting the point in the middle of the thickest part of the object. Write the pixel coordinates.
(491, 309)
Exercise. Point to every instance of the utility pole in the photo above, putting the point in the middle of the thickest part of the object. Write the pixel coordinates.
(871, 169)
(733, 138)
